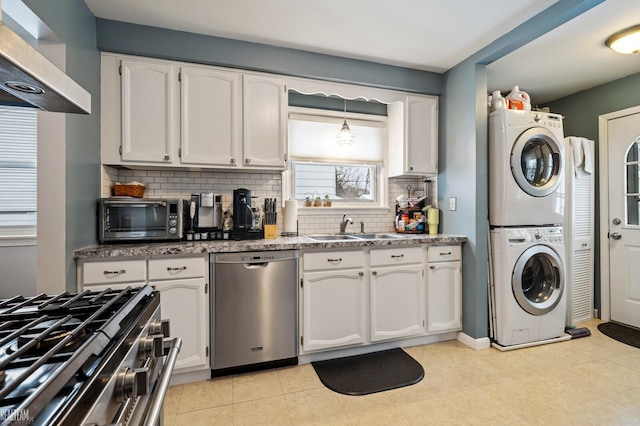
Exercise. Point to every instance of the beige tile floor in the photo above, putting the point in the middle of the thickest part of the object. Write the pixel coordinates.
(589, 381)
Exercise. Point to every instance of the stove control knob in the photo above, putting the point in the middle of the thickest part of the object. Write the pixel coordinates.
(151, 346)
(131, 383)
(159, 327)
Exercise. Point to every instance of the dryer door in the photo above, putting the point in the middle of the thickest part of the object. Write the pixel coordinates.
(536, 162)
(538, 280)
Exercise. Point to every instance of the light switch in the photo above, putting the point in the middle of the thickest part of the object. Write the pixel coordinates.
(452, 203)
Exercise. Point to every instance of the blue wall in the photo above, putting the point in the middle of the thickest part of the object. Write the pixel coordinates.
(121, 37)
(74, 24)
(581, 111)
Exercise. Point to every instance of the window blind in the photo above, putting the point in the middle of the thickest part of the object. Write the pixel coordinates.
(18, 169)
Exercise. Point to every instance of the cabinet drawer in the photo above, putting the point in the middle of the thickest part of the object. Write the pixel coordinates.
(180, 267)
(114, 272)
(443, 253)
(329, 260)
(396, 256)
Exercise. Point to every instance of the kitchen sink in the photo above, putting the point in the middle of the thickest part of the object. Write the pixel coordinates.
(331, 237)
(346, 237)
(377, 236)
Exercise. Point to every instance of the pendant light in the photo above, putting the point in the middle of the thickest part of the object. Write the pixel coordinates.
(625, 41)
(345, 136)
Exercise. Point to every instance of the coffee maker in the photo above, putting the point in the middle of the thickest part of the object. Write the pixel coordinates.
(208, 214)
(243, 226)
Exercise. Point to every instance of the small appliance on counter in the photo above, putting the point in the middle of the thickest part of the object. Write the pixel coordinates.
(125, 219)
(244, 227)
(205, 217)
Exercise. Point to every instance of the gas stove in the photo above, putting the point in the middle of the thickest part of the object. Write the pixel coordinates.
(92, 358)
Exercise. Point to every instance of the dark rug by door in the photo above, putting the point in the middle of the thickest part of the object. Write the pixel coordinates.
(369, 373)
(621, 333)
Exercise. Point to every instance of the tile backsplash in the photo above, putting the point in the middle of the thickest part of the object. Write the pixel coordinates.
(166, 184)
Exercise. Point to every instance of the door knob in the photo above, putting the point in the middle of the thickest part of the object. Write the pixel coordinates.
(615, 236)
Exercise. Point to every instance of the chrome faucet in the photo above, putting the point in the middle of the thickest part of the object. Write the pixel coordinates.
(345, 221)
(362, 226)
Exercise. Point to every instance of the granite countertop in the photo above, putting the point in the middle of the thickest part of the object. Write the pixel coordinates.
(228, 246)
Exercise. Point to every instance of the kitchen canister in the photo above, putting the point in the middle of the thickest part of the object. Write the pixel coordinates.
(433, 219)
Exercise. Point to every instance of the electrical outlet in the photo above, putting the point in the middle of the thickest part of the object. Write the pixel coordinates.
(453, 203)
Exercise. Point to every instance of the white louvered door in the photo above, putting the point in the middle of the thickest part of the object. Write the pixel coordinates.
(579, 232)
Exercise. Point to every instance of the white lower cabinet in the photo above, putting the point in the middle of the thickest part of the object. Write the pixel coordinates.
(444, 289)
(184, 301)
(333, 300)
(184, 304)
(183, 285)
(396, 302)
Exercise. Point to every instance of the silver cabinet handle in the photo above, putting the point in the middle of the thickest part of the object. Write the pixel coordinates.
(334, 261)
(616, 236)
(233, 161)
(121, 271)
(445, 254)
(247, 160)
(180, 268)
(374, 273)
(397, 256)
(432, 267)
(167, 158)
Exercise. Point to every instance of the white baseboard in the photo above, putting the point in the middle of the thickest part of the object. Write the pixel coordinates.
(477, 344)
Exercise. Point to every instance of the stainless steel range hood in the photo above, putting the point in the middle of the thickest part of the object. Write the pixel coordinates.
(27, 78)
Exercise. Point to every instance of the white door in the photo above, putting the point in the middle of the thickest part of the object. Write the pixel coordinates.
(623, 137)
(210, 112)
(333, 309)
(148, 111)
(264, 103)
(397, 294)
(184, 304)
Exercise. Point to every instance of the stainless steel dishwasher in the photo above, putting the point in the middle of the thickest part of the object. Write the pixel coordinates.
(254, 313)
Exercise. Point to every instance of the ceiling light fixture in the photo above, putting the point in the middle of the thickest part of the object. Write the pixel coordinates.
(345, 136)
(625, 41)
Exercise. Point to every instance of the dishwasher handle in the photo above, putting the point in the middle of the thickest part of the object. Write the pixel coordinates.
(256, 265)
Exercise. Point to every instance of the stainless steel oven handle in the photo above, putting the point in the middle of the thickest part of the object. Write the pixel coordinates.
(155, 409)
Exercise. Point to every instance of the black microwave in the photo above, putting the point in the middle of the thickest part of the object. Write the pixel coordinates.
(140, 219)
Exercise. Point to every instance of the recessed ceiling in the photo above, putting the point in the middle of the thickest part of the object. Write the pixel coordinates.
(429, 35)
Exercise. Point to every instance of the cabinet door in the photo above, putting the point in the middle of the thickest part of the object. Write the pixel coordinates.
(210, 116)
(148, 111)
(185, 304)
(264, 103)
(397, 308)
(422, 135)
(444, 296)
(333, 309)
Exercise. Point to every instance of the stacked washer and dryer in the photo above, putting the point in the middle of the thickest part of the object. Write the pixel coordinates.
(526, 212)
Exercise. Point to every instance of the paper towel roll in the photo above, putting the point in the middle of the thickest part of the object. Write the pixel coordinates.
(290, 216)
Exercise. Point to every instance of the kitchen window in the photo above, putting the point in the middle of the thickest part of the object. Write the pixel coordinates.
(18, 171)
(351, 176)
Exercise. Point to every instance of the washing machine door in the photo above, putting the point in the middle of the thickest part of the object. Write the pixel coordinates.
(538, 280)
(536, 162)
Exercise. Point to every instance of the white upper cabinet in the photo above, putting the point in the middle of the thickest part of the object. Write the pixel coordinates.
(148, 111)
(157, 112)
(264, 103)
(210, 116)
(413, 136)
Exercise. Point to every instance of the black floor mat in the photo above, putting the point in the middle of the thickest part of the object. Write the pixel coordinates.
(621, 333)
(369, 373)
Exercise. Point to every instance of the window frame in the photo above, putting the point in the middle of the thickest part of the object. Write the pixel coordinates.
(381, 203)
